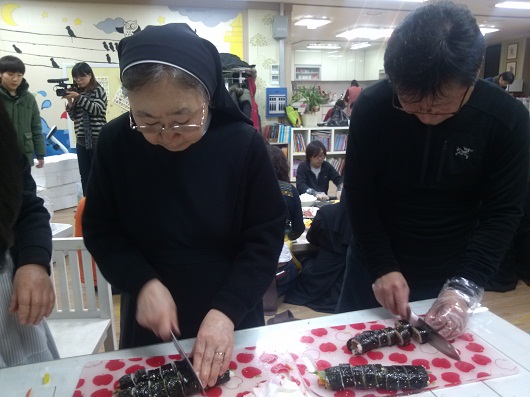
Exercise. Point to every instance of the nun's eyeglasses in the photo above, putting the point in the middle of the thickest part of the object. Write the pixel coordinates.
(397, 105)
(158, 128)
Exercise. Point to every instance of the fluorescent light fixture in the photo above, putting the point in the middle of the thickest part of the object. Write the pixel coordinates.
(313, 22)
(485, 30)
(366, 33)
(519, 5)
(358, 46)
(323, 46)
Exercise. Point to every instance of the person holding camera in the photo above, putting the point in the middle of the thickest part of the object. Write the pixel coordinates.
(87, 107)
(21, 106)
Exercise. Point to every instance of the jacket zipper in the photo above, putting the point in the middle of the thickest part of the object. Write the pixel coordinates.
(441, 165)
(426, 151)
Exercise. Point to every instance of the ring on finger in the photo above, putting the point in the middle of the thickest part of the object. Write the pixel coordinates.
(219, 354)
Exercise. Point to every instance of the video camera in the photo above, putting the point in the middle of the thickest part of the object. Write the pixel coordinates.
(62, 86)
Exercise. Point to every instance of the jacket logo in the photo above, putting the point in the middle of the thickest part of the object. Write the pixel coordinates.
(463, 152)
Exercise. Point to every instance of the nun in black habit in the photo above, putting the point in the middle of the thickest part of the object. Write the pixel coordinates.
(183, 213)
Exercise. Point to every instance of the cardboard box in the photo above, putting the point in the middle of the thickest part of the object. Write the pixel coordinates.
(58, 170)
(60, 197)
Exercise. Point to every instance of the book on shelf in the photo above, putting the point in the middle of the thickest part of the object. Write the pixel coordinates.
(341, 142)
(296, 163)
(337, 163)
(299, 142)
(322, 136)
(277, 133)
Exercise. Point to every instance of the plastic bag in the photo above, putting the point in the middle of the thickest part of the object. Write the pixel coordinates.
(338, 118)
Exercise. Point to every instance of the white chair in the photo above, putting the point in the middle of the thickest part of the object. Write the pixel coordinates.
(82, 320)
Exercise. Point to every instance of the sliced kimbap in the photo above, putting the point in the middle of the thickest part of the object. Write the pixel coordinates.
(420, 334)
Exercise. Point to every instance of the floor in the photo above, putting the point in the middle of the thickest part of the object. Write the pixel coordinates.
(512, 306)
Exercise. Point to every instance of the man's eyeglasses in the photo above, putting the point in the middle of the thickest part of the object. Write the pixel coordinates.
(395, 105)
(158, 128)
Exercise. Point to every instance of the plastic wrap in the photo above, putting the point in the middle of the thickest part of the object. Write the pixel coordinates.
(454, 306)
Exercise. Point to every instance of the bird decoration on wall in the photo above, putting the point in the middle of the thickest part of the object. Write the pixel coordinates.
(70, 31)
(18, 50)
(108, 58)
(111, 46)
(54, 64)
(129, 28)
(105, 45)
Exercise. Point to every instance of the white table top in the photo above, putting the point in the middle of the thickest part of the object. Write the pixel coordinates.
(508, 339)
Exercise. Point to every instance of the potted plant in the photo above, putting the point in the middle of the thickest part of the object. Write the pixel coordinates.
(312, 98)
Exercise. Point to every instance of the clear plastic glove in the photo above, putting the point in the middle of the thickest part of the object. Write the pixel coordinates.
(321, 196)
(339, 193)
(454, 306)
(311, 191)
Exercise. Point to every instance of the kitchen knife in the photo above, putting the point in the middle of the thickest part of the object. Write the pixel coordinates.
(188, 363)
(435, 339)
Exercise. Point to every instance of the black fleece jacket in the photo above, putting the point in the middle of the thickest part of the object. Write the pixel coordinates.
(436, 201)
(33, 236)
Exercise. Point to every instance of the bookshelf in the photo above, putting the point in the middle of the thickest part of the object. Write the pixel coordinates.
(279, 135)
(334, 139)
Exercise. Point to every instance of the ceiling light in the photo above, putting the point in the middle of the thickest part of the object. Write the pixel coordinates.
(323, 46)
(313, 22)
(358, 46)
(519, 5)
(366, 33)
(485, 30)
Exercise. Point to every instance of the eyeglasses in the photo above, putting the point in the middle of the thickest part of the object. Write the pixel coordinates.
(398, 107)
(158, 129)
(320, 157)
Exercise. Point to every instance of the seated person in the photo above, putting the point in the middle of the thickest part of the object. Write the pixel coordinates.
(503, 80)
(287, 269)
(319, 283)
(336, 115)
(314, 174)
(26, 290)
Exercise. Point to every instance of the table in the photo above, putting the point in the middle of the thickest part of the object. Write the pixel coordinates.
(510, 340)
(302, 246)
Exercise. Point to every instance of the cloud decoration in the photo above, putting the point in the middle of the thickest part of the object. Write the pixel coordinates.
(109, 25)
(43, 93)
(208, 17)
(46, 104)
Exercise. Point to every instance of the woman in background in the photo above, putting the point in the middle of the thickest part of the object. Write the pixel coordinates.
(26, 291)
(351, 95)
(314, 174)
(87, 107)
(294, 227)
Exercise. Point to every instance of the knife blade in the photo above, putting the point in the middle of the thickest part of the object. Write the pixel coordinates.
(188, 363)
(435, 339)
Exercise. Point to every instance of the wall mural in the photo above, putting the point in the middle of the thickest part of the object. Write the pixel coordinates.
(51, 37)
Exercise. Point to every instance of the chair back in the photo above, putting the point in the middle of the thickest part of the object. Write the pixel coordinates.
(80, 305)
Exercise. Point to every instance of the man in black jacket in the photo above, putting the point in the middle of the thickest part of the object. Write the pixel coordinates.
(436, 171)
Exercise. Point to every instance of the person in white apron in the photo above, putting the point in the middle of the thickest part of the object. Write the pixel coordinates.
(26, 291)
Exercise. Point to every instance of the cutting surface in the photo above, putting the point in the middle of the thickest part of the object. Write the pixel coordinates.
(322, 347)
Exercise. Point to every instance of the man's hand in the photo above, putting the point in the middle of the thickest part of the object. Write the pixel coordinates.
(40, 163)
(156, 310)
(449, 314)
(32, 297)
(392, 292)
